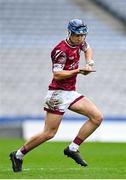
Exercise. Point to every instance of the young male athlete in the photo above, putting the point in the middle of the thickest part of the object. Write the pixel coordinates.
(62, 95)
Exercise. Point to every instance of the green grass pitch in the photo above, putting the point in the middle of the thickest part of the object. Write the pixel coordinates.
(105, 161)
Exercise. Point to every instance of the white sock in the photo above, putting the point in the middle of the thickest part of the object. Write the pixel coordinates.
(73, 147)
(19, 154)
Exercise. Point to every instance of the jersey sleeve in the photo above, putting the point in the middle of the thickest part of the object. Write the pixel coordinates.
(84, 46)
(58, 60)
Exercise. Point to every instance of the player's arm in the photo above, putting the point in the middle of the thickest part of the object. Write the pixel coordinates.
(88, 55)
(89, 60)
(64, 74)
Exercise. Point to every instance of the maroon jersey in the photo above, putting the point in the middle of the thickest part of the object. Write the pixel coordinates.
(66, 57)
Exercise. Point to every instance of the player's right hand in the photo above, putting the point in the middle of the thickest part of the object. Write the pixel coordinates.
(86, 71)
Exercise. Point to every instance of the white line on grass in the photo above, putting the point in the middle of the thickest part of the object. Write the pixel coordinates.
(60, 168)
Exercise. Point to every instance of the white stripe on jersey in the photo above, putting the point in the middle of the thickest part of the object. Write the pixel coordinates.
(58, 52)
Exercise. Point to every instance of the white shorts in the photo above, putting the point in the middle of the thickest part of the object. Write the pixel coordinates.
(58, 101)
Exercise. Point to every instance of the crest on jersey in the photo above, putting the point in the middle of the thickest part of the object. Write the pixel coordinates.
(71, 57)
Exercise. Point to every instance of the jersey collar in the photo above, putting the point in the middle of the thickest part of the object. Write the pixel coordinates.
(66, 41)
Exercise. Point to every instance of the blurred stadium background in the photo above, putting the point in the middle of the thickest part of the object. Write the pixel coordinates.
(28, 31)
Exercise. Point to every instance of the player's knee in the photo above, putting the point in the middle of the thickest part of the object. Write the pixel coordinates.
(98, 118)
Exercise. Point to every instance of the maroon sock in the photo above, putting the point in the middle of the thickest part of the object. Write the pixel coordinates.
(24, 150)
(77, 140)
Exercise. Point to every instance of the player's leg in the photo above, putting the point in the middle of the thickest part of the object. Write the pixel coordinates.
(52, 122)
(85, 107)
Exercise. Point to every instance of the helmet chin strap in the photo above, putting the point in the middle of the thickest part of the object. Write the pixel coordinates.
(69, 34)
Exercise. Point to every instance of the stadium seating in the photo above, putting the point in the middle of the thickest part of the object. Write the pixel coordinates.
(115, 7)
(29, 31)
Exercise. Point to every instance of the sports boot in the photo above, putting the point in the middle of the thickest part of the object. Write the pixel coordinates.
(75, 155)
(16, 163)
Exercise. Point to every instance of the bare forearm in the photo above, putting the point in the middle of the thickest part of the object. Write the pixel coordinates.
(88, 55)
(64, 74)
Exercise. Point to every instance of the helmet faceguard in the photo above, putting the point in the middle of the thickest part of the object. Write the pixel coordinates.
(78, 27)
